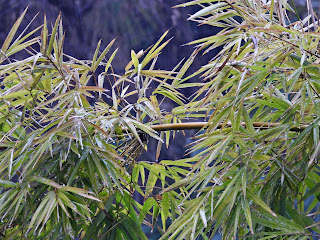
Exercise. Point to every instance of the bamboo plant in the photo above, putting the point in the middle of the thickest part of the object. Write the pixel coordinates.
(72, 130)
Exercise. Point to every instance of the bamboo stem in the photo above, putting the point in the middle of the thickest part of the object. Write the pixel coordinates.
(199, 125)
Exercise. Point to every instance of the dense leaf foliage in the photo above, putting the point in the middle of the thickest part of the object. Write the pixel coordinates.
(69, 148)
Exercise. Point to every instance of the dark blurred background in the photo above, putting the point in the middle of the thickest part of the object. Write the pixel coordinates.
(135, 23)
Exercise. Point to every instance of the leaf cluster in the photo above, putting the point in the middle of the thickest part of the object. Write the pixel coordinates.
(69, 148)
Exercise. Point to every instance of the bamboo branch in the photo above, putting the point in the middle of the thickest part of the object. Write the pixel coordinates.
(199, 125)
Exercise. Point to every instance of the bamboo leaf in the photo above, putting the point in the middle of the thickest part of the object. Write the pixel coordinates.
(207, 10)
(96, 63)
(247, 214)
(110, 60)
(203, 217)
(46, 181)
(259, 202)
(53, 35)
(5, 183)
(134, 59)
(146, 208)
(12, 32)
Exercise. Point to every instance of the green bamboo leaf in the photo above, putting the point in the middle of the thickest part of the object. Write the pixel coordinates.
(300, 218)
(89, 196)
(155, 214)
(151, 182)
(46, 181)
(271, 9)
(135, 174)
(171, 96)
(275, 105)
(39, 214)
(154, 50)
(114, 99)
(14, 49)
(147, 130)
(207, 10)
(95, 55)
(177, 184)
(236, 222)
(6, 183)
(95, 63)
(203, 217)
(259, 202)
(259, 94)
(142, 174)
(247, 213)
(195, 223)
(181, 163)
(281, 222)
(110, 60)
(248, 121)
(156, 107)
(183, 70)
(52, 204)
(148, 204)
(11, 34)
(155, 53)
(312, 191)
(229, 187)
(273, 225)
(181, 222)
(44, 36)
(132, 128)
(53, 36)
(158, 74)
(134, 59)
(66, 201)
(165, 205)
(159, 146)
(193, 3)
(104, 53)
(61, 204)
(25, 34)
(7, 198)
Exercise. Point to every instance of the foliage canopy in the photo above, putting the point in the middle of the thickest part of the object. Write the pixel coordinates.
(68, 160)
